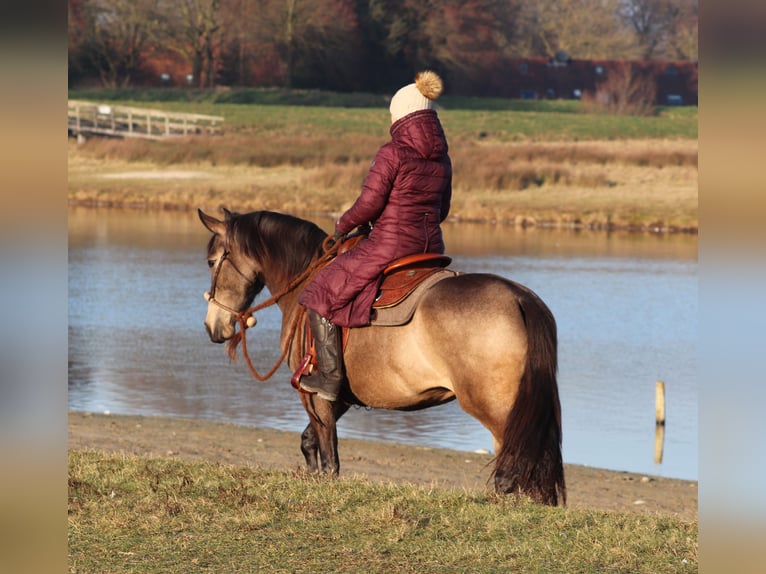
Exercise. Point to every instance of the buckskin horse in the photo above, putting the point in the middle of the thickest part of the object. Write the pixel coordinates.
(484, 340)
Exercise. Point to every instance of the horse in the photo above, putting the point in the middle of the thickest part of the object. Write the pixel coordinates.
(486, 341)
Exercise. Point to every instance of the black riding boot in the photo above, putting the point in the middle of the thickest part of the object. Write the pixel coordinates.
(326, 383)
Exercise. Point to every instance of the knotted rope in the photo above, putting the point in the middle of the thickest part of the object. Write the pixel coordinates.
(246, 318)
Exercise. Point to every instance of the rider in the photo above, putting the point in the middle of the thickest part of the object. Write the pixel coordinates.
(405, 197)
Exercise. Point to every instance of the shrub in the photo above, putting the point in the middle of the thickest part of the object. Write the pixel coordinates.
(625, 90)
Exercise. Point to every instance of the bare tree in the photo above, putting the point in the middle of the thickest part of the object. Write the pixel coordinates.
(115, 35)
(239, 32)
(683, 42)
(653, 22)
(193, 31)
(587, 29)
(463, 39)
(318, 33)
(462, 35)
(76, 40)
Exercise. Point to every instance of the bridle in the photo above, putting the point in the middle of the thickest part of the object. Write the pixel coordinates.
(210, 295)
(246, 318)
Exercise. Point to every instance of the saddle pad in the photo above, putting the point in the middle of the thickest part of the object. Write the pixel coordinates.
(397, 286)
(401, 312)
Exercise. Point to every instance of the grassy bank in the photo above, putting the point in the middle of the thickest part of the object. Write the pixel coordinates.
(138, 514)
(304, 111)
(517, 162)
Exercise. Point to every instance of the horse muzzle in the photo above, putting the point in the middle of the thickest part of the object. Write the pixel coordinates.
(215, 335)
(220, 327)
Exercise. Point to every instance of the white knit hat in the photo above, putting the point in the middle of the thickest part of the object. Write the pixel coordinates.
(417, 96)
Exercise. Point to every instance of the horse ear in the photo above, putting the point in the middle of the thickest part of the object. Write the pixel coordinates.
(226, 213)
(213, 225)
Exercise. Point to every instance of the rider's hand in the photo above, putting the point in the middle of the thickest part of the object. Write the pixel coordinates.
(331, 241)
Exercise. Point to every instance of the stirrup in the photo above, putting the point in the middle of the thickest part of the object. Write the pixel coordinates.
(319, 389)
(303, 370)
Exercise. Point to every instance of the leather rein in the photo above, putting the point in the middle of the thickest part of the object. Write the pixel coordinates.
(246, 318)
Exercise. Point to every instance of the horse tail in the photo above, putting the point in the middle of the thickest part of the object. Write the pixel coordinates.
(530, 459)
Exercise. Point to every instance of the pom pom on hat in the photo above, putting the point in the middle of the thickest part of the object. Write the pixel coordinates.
(417, 96)
(429, 84)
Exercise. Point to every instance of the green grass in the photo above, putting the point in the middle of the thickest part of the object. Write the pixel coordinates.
(279, 96)
(130, 514)
(306, 112)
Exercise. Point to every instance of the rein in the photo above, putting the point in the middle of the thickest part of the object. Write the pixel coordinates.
(246, 318)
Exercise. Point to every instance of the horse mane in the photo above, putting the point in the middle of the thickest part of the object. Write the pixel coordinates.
(286, 244)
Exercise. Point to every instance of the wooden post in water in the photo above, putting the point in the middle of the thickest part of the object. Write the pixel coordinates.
(659, 443)
(659, 429)
(660, 402)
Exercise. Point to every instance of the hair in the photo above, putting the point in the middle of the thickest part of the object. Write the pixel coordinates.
(530, 460)
(270, 236)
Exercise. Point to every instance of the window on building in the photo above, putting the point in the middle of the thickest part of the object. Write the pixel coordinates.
(675, 100)
(528, 94)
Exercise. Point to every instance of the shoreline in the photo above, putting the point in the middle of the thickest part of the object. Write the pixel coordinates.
(238, 445)
(94, 203)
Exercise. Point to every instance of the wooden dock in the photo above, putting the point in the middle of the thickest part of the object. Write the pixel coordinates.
(88, 118)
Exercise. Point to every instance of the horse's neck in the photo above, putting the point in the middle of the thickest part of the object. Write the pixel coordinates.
(288, 304)
(286, 296)
(279, 283)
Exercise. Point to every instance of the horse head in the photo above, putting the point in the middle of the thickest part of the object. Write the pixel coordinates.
(235, 278)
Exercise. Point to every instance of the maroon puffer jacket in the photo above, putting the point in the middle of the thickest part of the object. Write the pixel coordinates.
(406, 196)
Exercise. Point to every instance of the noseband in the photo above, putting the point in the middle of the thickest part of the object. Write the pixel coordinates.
(210, 295)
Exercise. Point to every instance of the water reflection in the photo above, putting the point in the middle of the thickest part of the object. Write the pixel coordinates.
(625, 306)
(474, 239)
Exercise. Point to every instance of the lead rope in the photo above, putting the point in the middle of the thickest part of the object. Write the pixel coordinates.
(330, 247)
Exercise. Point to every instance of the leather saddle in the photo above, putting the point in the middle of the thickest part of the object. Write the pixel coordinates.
(400, 280)
(404, 282)
(405, 274)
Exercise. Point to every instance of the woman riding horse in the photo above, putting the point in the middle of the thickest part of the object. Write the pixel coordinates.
(405, 197)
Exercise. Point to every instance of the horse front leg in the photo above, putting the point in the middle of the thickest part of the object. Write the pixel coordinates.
(310, 448)
(319, 441)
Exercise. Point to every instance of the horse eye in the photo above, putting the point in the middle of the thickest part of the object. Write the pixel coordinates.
(210, 263)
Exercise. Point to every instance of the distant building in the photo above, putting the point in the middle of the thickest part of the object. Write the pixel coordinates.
(559, 77)
(562, 77)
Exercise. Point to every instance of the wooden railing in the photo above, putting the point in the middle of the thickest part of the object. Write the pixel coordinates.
(127, 122)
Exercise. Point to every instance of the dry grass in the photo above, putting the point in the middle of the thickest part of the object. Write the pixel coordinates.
(261, 149)
(627, 183)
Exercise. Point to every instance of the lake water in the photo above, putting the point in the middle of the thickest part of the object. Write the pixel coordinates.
(625, 304)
